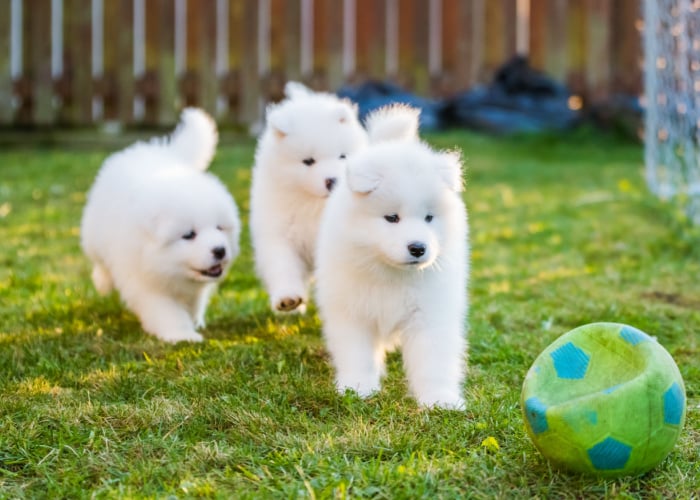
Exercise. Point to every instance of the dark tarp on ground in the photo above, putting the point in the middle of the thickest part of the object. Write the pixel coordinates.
(519, 99)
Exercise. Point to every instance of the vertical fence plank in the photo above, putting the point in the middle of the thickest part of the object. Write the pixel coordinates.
(77, 84)
(273, 79)
(549, 40)
(38, 46)
(370, 40)
(598, 46)
(207, 55)
(420, 42)
(112, 36)
(413, 45)
(147, 86)
(467, 20)
(538, 33)
(626, 74)
(191, 79)
(436, 72)
(119, 31)
(248, 40)
(576, 45)
(6, 93)
(328, 29)
(500, 36)
(232, 81)
(405, 74)
(162, 56)
(286, 44)
(453, 36)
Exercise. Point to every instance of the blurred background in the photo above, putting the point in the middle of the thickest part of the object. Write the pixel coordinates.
(496, 65)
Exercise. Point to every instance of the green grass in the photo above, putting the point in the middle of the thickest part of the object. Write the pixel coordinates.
(563, 233)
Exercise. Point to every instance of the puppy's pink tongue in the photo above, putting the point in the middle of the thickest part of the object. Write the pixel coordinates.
(214, 271)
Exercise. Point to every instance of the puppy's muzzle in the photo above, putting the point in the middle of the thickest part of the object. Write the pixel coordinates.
(330, 183)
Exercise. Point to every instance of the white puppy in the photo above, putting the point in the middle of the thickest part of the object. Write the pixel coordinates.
(161, 230)
(299, 157)
(392, 264)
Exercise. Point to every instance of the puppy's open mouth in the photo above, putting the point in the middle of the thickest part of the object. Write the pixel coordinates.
(213, 272)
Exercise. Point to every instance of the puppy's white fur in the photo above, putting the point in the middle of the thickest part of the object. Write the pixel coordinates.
(161, 230)
(300, 155)
(382, 284)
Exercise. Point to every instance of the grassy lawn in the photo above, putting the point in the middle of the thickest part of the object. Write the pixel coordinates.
(563, 233)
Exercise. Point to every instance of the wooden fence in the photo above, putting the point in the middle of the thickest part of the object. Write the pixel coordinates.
(80, 62)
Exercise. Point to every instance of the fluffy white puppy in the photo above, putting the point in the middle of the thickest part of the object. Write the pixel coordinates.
(161, 230)
(392, 264)
(299, 158)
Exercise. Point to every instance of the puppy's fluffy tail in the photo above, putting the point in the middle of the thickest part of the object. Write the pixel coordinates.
(195, 138)
(396, 122)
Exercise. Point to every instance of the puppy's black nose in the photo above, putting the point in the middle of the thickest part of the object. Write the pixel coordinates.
(330, 183)
(219, 252)
(416, 249)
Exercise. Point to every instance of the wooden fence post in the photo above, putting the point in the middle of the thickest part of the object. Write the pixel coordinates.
(464, 40)
(37, 21)
(122, 36)
(328, 31)
(286, 41)
(548, 37)
(206, 55)
(499, 45)
(6, 92)
(164, 54)
(370, 40)
(250, 88)
(77, 79)
(597, 42)
(626, 73)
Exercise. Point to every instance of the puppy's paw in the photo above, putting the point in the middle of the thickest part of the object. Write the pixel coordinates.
(363, 388)
(180, 336)
(288, 304)
(102, 280)
(446, 400)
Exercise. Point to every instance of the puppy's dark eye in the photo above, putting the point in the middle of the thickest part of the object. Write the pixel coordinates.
(189, 236)
(393, 218)
(428, 218)
(308, 161)
(342, 156)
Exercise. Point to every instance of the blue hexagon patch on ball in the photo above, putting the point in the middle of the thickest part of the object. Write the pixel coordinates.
(536, 412)
(674, 402)
(609, 454)
(570, 362)
(633, 336)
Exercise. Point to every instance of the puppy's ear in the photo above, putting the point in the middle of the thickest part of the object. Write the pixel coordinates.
(362, 178)
(279, 122)
(450, 169)
(396, 122)
(295, 90)
(345, 112)
(354, 108)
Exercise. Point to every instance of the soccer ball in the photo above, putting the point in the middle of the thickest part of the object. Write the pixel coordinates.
(606, 399)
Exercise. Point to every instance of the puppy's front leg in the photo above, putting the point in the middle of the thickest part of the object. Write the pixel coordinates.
(166, 319)
(358, 360)
(285, 276)
(434, 362)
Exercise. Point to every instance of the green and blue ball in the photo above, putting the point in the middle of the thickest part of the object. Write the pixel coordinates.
(606, 399)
